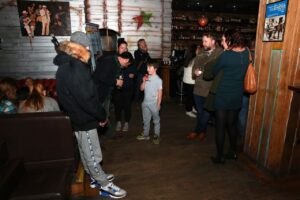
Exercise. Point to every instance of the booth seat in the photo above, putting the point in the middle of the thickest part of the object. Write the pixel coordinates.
(36, 156)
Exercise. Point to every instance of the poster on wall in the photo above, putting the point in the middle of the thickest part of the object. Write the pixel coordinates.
(43, 18)
(275, 20)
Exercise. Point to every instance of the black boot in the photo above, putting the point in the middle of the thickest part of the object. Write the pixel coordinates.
(231, 155)
(218, 160)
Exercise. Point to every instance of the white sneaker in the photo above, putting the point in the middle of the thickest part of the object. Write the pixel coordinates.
(95, 184)
(125, 127)
(194, 110)
(114, 191)
(191, 114)
(118, 126)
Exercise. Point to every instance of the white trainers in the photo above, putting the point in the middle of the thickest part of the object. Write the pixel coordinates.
(191, 114)
(118, 126)
(95, 184)
(194, 110)
(125, 127)
(113, 191)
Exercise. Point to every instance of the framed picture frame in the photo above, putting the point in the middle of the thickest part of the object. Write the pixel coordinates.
(43, 18)
(275, 20)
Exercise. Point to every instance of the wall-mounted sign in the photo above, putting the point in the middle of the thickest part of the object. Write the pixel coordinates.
(275, 20)
(42, 18)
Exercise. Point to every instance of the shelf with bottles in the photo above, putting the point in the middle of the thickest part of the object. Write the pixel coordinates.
(213, 26)
(186, 29)
(183, 16)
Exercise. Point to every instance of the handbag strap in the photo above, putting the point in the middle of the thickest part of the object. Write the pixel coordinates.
(250, 56)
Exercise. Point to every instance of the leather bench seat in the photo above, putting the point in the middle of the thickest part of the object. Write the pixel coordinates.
(10, 173)
(37, 156)
(43, 183)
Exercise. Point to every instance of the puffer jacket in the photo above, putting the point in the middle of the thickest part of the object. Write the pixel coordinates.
(76, 91)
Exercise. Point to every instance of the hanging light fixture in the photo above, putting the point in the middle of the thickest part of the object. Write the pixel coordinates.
(203, 21)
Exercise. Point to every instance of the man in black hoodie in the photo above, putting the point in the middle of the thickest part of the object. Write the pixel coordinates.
(78, 97)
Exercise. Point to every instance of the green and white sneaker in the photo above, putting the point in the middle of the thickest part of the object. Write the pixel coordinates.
(156, 139)
(142, 137)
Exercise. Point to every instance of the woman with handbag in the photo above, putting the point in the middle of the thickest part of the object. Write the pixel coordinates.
(229, 93)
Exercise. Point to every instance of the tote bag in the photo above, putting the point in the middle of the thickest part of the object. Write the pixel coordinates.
(250, 77)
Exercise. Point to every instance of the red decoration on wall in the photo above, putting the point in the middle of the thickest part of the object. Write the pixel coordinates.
(141, 19)
(203, 21)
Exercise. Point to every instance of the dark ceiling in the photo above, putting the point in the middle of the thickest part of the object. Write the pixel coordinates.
(224, 6)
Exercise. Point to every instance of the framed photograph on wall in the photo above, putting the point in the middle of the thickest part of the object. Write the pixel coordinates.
(275, 20)
(43, 18)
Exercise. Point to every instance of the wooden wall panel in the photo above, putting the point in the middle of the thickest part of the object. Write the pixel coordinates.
(121, 20)
(290, 46)
(277, 67)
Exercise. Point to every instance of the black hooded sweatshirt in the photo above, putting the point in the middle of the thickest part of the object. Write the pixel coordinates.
(76, 91)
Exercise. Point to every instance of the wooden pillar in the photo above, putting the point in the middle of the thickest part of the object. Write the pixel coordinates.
(277, 65)
(165, 75)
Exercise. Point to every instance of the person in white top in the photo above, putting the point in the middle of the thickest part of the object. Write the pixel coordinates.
(188, 81)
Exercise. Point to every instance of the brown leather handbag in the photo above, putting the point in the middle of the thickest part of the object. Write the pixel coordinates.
(250, 85)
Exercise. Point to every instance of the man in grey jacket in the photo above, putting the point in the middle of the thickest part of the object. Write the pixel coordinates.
(204, 61)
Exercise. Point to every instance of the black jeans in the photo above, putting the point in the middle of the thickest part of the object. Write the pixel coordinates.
(122, 101)
(226, 120)
(189, 96)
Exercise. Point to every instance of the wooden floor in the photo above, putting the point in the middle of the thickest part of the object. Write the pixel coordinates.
(178, 169)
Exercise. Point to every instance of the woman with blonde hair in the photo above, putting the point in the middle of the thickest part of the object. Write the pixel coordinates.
(38, 101)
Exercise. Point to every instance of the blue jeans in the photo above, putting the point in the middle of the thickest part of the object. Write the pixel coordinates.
(202, 115)
(243, 115)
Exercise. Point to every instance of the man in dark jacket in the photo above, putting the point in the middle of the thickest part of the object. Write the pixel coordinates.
(78, 97)
(141, 57)
(108, 75)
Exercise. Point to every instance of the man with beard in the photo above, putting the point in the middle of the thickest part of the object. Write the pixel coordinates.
(141, 57)
(204, 61)
(78, 97)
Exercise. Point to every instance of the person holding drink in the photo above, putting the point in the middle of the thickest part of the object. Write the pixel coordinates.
(122, 95)
(152, 87)
(203, 61)
(106, 78)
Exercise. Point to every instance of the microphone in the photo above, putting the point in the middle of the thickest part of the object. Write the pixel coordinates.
(54, 40)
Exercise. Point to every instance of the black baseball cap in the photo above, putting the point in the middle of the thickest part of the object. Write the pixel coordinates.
(127, 55)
